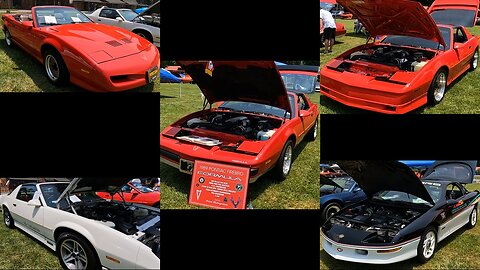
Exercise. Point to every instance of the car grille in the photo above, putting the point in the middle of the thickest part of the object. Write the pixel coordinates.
(170, 155)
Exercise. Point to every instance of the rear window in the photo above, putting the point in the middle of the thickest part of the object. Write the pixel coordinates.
(454, 17)
(459, 172)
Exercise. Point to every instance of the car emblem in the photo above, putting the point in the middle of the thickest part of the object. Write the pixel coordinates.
(339, 249)
(341, 236)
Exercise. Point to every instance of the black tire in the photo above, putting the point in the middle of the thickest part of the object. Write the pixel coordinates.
(63, 76)
(472, 220)
(89, 254)
(432, 98)
(313, 132)
(474, 61)
(278, 171)
(8, 219)
(330, 209)
(144, 34)
(420, 249)
(8, 38)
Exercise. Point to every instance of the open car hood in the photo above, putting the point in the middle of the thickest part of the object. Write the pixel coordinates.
(394, 17)
(248, 81)
(456, 12)
(375, 176)
(461, 171)
(155, 8)
(327, 181)
(93, 184)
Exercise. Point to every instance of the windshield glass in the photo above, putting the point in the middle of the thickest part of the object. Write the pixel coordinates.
(252, 107)
(420, 42)
(454, 17)
(460, 172)
(51, 192)
(59, 16)
(128, 14)
(346, 183)
(300, 82)
(398, 196)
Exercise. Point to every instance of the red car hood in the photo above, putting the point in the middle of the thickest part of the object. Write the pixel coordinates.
(249, 81)
(101, 42)
(394, 17)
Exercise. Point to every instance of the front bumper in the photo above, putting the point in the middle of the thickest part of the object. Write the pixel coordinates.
(371, 254)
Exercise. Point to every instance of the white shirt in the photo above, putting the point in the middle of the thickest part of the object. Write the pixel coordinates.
(328, 21)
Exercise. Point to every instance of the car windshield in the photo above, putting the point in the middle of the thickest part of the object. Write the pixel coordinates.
(300, 82)
(128, 14)
(454, 17)
(51, 192)
(420, 42)
(346, 183)
(59, 16)
(398, 197)
(251, 107)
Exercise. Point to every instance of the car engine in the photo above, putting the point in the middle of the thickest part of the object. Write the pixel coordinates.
(403, 58)
(251, 127)
(383, 222)
(141, 223)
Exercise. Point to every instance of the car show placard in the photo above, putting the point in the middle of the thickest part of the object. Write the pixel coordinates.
(219, 186)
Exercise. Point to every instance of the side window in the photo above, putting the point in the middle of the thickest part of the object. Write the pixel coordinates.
(460, 36)
(453, 192)
(302, 103)
(109, 13)
(26, 193)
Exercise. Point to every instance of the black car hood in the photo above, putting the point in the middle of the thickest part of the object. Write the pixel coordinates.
(248, 81)
(327, 181)
(461, 171)
(375, 176)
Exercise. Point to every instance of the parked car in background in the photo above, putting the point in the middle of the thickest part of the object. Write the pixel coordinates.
(144, 24)
(337, 193)
(300, 78)
(73, 49)
(134, 193)
(455, 12)
(86, 232)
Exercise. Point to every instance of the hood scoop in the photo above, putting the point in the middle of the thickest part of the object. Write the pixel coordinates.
(114, 43)
(126, 40)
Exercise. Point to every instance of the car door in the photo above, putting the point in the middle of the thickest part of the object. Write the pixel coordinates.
(456, 214)
(462, 47)
(109, 16)
(30, 216)
(305, 113)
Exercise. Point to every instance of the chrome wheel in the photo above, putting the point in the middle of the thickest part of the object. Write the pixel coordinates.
(440, 86)
(6, 218)
(287, 159)
(473, 220)
(73, 255)
(332, 210)
(52, 68)
(8, 38)
(475, 60)
(429, 245)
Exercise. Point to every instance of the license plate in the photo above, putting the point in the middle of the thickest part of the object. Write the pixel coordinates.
(152, 74)
(186, 166)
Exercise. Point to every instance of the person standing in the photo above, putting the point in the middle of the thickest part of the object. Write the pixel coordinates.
(327, 23)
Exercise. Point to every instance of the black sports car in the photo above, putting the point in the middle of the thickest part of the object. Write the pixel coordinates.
(403, 216)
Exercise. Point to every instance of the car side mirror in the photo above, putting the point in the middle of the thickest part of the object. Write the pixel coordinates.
(28, 24)
(458, 46)
(451, 202)
(119, 19)
(34, 202)
(304, 113)
(357, 189)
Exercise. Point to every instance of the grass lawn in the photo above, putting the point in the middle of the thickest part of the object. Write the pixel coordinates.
(461, 97)
(457, 251)
(299, 190)
(19, 72)
(21, 251)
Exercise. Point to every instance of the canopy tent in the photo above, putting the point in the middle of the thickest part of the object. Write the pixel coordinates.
(166, 76)
(417, 163)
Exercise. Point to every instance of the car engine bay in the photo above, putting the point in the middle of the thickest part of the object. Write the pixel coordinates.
(249, 126)
(141, 223)
(406, 59)
(383, 222)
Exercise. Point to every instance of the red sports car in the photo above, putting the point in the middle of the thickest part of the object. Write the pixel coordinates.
(135, 194)
(300, 78)
(74, 49)
(256, 123)
(410, 67)
(455, 12)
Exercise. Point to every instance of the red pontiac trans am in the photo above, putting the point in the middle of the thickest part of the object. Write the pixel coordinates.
(135, 194)
(256, 122)
(74, 49)
(410, 67)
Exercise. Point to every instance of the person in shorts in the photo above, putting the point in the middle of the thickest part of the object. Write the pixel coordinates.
(327, 23)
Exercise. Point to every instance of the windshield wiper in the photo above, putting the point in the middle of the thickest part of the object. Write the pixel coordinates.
(52, 24)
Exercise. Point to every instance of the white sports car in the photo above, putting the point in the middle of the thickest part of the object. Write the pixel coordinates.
(145, 24)
(86, 232)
